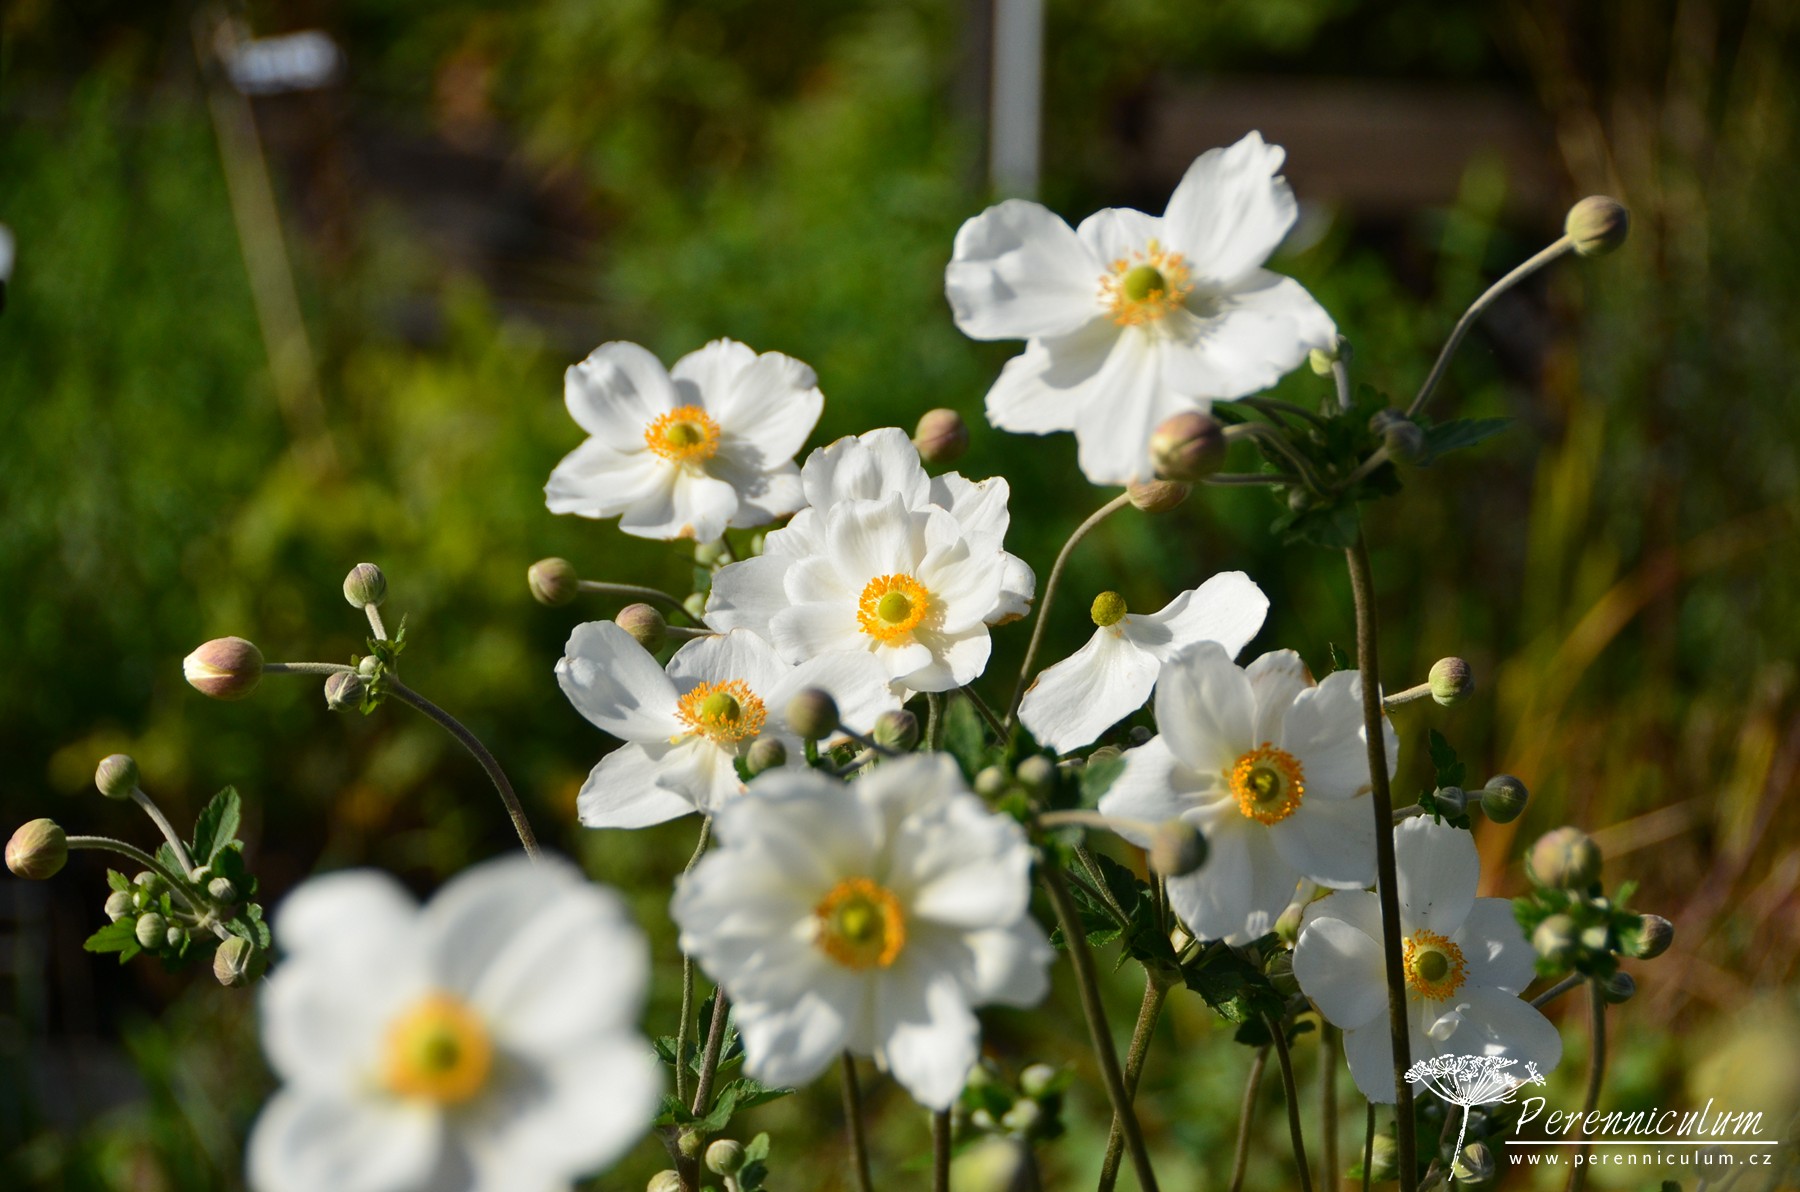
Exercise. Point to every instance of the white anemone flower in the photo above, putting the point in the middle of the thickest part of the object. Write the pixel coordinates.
(907, 585)
(871, 918)
(1131, 318)
(1466, 962)
(1071, 703)
(684, 453)
(1271, 768)
(486, 1042)
(685, 728)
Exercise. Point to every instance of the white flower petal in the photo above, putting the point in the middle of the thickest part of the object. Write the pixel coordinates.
(1228, 608)
(949, 660)
(1359, 908)
(616, 392)
(695, 506)
(1019, 271)
(1329, 841)
(1113, 234)
(1231, 210)
(1495, 948)
(1046, 387)
(1278, 678)
(1205, 708)
(1012, 965)
(738, 654)
(1243, 887)
(1071, 703)
(303, 1143)
(616, 684)
(595, 480)
(867, 467)
(706, 377)
(976, 875)
(322, 912)
(627, 788)
(1152, 787)
(870, 538)
(1370, 1052)
(762, 496)
(1324, 731)
(819, 627)
(1113, 435)
(1244, 340)
(1438, 871)
(1494, 1022)
(575, 1111)
(1341, 969)
(766, 411)
(929, 1037)
(792, 1044)
(858, 683)
(748, 594)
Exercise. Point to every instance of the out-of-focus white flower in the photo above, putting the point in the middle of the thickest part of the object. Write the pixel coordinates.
(1271, 768)
(684, 729)
(687, 452)
(1466, 961)
(870, 917)
(1073, 702)
(1132, 318)
(486, 1042)
(878, 575)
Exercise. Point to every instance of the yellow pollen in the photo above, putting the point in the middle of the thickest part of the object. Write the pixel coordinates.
(860, 924)
(683, 434)
(892, 606)
(726, 712)
(1434, 966)
(1109, 609)
(438, 1050)
(1145, 286)
(1268, 783)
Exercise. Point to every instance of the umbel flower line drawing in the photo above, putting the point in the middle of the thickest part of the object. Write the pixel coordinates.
(1471, 1080)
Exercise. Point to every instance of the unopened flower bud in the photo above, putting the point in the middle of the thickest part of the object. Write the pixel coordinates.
(1287, 927)
(1023, 1116)
(1598, 938)
(645, 624)
(1564, 859)
(766, 753)
(224, 668)
(813, 714)
(1158, 496)
(174, 935)
(1404, 441)
(369, 667)
(222, 891)
(1037, 774)
(38, 850)
(118, 905)
(1384, 1157)
(897, 729)
(1451, 800)
(1503, 799)
(941, 437)
(1597, 225)
(1619, 988)
(689, 1143)
(993, 1164)
(1187, 447)
(1177, 849)
(344, 691)
(149, 882)
(1475, 1164)
(991, 782)
(116, 776)
(695, 606)
(725, 1157)
(365, 586)
(1653, 937)
(1280, 972)
(1554, 939)
(236, 962)
(664, 1181)
(711, 554)
(1451, 681)
(1139, 735)
(1039, 1080)
(553, 582)
(151, 930)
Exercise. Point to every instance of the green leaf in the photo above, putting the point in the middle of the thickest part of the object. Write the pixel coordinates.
(1097, 778)
(965, 736)
(114, 937)
(1450, 770)
(217, 825)
(1235, 989)
(118, 881)
(1338, 659)
(1459, 433)
(1333, 527)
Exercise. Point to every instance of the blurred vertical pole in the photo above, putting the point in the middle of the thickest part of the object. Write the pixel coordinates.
(1016, 126)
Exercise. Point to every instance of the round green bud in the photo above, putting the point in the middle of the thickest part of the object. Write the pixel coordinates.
(1280, 971)
(712, 554)
(1475, 1164)
(1108, 609)
(992, 782)
(725, 1157)
(152, 928)
(1554, 939)
(236, 962)
(174, 935)
(1451, 800)
(1598, 938)
(118, 905)
(813, 714)
(116, 776)
(1384, 1157)
(344, 691)
(1618, 989)
(369, 667)
(38, 850)
(695, 606)
(1503, 799)
(1451, 681)
(1654, 935)
(1023, 1117)
(1158, 496)
(1287, 927)
(1404, 441)
(1036, 774)
(897, 729)
(1187, 447)
(221, 890)
(224, 668)
(149, 882)
(1177, 849)
(365, 586)
(981, 1119)
(553, 582)
(1039, 1080)
(765, 753)
(689, 1144)
(941, 437)
(994, 1164)
(644, 624)
(1139, 735)
(664, 1181)
(1564, 859)
(1320, 360)
(1597, 225)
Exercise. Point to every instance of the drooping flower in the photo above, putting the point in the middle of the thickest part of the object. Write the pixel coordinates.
(1466, 961)
(871, 917)
(1132, 318)
(880, 576)
(685, 728)
(1074, 701)
(1272, 768)
(684, 453)
(485, 1042)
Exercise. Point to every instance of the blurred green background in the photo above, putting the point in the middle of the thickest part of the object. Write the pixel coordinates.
(491, 190)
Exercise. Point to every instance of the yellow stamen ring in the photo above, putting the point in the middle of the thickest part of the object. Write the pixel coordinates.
(892, 606)
(726, 712)
(860, 924)
(1435, 968)
(1145, 286)
(684, 434)
(1269, 784)
(438, 1050)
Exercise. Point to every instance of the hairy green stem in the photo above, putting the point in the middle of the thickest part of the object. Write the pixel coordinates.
(165, 827)
(687, 981)
(633, 592)
(987, 713)
(473, 744)
(853, 1125)
(376, 626)
(306, 668)
(709, 1061)
(1148, 1013)
(1596, 1073)
(1292, 1093)
(934, 720)
(1240, 1155)
(1557, 990)
(178, 886)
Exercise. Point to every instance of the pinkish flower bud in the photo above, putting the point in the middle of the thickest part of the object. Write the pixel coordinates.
(224, 668)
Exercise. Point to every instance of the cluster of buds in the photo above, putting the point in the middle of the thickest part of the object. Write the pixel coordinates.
(1574, 925)
(742, 1167)
(1028, 1109)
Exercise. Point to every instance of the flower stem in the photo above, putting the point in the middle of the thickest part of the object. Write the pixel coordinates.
(376, 626)
(1557, 990)
(521, 825)
(1329, 1039)
(1270, 478)
(1088, 985)
(687, 981)
(715, 1043)
(987, 713)
(853, 1124)
(1369, 1149)
(1596, 1073)
(633, 592)
(305, 668)
(1043, 608)
(1340, 377)
(940, 1151)
(165, 827)
(178, 886)
(1362, 588)
(1240, 1158)
(934, 720)
(1148, 1012)
(1292, 1093)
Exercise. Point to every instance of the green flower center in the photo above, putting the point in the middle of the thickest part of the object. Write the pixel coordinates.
(1109, 609)
(1141, 281)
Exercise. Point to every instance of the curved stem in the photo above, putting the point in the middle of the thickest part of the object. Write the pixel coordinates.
(305, 668)
(633, 592)
(1462, 1132)
(1265, 433)
(687, 981)
(1270, 405)
(165, 827)
(1081, 817)
(940, 1151)
(1557, 990)
(178, 886)
(1596, 1073)
(853, 1124)
(1362, 588)
(1292, 1092)
(1148, 1012)
(1088, 985)
(987, 713)
(1043, 609)
(1340, 377)
(1269, 478)
(1329, 1038)
(1240, 1157)
(473, 744)
(376, 626)
(1475, 311)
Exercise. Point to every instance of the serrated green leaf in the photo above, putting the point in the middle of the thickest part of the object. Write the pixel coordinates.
(1459, 433)
(965, 736)
(1097, 778)
(165, 855)
(1450, 770)
(217, 825)
(757, 1149)
(1333, 527)
(118, 881)
(114, 937)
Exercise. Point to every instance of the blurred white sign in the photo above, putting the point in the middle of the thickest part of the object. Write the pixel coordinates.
(293, 62)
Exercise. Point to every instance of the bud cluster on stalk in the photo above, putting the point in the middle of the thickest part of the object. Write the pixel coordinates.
(1574, 926)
